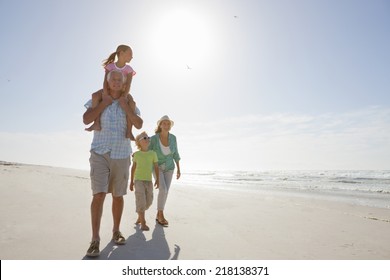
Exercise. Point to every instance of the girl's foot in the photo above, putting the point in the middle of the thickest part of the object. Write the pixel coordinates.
(130, 135)
(94, 126)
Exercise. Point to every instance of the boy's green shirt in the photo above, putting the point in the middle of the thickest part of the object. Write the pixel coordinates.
(145, 162)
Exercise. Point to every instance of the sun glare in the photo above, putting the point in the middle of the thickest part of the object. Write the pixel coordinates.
(183, 37)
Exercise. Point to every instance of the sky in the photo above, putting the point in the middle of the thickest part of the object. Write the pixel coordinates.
(251, 84)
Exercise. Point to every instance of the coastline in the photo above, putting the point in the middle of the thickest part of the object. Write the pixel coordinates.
(44, 214)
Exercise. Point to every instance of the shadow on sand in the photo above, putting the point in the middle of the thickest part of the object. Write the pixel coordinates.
(137, 248)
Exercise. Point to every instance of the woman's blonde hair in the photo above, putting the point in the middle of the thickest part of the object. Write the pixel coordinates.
(111, 58)
(158, 128)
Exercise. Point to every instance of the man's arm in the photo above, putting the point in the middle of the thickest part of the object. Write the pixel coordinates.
(92, 113)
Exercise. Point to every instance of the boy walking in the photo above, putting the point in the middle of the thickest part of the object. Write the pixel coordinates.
(141, 177)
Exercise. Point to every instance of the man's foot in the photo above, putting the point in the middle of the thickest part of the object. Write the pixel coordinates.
(118, 238)
(94, 126)
(93, 250)
(138, 222)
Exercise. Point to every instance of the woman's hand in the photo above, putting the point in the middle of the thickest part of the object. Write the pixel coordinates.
(157, 183)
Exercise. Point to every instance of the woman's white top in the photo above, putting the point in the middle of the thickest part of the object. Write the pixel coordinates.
(165, 150)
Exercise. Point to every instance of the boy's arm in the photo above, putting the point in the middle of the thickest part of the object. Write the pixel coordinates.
(132, 176)
(156, 171)
(92, 113)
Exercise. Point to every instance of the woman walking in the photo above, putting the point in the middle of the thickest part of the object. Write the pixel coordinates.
(165, 145)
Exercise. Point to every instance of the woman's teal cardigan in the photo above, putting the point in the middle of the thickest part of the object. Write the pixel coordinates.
(166, 162)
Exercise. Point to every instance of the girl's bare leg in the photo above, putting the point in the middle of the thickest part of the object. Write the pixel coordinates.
(96, 99)
(129, 133)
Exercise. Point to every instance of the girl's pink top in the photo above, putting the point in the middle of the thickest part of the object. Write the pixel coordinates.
(126, 70)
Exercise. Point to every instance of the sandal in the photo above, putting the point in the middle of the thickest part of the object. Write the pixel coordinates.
(118, 238)
(144, 228)
(93, 250)
(163, 223)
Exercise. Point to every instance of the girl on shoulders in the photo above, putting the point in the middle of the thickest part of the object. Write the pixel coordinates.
(124, 55)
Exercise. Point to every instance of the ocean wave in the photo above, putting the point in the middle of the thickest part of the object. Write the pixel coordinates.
(369, 187)
(348, 182)
(375, 181)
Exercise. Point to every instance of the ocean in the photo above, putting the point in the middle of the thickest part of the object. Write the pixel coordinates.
(369, 188)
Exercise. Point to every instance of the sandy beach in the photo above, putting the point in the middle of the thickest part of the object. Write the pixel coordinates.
(44, 215)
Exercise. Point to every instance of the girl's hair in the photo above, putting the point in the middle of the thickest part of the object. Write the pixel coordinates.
(111, 58)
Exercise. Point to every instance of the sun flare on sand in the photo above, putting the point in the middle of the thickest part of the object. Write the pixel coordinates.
(183, 37)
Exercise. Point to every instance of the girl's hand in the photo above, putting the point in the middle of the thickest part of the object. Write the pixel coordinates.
(132, 186)
(106, 99)
(178, 174)
(105, 92)
(123, 102)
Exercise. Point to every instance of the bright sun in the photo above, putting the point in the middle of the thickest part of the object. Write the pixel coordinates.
(183, 37)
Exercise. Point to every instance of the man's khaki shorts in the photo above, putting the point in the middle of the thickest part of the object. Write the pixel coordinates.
(109, 175)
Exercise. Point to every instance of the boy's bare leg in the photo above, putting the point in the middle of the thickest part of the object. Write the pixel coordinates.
(96, 98)
(141, 218)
